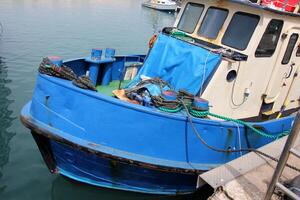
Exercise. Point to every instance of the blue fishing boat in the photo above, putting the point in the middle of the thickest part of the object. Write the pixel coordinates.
(220, 83)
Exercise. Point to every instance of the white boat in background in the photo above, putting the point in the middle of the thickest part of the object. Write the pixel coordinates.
(163, 5)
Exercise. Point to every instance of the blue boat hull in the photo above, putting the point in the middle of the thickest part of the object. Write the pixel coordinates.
(103, 141)
(104, 170)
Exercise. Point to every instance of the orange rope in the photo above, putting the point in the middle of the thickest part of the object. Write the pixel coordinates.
(152, 41)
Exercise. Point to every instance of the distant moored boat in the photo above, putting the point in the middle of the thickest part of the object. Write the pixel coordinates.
(163, 5)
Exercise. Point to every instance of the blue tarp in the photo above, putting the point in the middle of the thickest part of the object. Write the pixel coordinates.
(183, 65)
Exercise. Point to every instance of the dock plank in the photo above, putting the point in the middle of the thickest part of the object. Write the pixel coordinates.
(249, 176)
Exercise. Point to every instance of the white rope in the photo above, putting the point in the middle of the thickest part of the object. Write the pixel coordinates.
(204, 72)
(239, 137)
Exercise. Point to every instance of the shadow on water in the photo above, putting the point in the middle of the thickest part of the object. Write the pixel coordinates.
(5, 119)
(65, 188)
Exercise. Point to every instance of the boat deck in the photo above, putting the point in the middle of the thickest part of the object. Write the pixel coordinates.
(108, 89)
(248, 177)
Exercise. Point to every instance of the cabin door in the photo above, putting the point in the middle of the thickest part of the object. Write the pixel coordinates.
(282, 92)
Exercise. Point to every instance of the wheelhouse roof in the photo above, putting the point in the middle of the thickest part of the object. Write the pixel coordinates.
(258, 6)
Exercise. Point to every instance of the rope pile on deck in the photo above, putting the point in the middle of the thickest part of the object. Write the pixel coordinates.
(65, 72)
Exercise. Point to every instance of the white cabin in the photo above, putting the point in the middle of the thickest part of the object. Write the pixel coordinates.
(266, 81)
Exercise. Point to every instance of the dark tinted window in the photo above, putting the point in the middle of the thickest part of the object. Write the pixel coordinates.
(290, 48)
(213, 22)
(268, 42)
(190, 17)
(240, 30)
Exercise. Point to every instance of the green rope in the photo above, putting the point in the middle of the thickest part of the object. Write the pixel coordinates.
(170, 110)
(182, 35)
(199, 114)
(202, 114)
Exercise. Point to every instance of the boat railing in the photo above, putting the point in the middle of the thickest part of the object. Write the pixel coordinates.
(292, 6)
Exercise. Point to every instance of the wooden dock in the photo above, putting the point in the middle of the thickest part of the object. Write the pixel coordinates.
(248, 177)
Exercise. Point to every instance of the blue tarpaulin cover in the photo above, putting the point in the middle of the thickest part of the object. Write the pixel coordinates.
(183, 65)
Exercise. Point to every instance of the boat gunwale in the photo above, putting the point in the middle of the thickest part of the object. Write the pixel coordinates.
(46, 133)
(112, 100)
(180, 116)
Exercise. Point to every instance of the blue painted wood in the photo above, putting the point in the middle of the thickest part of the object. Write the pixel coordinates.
(107, 71)
(96, 54)
(110, 52)
(104, 172)
(141, 134)
(56, 60)
(95, 66)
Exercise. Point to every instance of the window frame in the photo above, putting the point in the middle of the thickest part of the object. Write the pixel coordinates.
(277, 40)
(191, 3)
(212, 7)
(287, 53)
(244, 13)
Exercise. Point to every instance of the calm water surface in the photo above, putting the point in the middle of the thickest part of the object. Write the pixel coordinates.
(33, 29)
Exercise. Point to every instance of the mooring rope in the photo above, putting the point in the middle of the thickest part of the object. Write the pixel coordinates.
(201, 114)
(229, 150)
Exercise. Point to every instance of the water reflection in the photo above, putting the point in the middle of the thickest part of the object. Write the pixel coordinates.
(1, 29)
(5, 119)
(68, 28)
(65, 188)
(160, 19)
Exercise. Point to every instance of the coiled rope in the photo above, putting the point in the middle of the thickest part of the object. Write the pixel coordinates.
(64, 72)
(169, 110)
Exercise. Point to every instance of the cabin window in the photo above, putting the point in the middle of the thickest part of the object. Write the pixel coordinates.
(290, 48)
(240, 30)
(213, 22)
(190, 17)
(298, 51)
(269, 40)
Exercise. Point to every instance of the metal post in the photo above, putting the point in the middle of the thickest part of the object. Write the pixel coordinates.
(284, 156)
